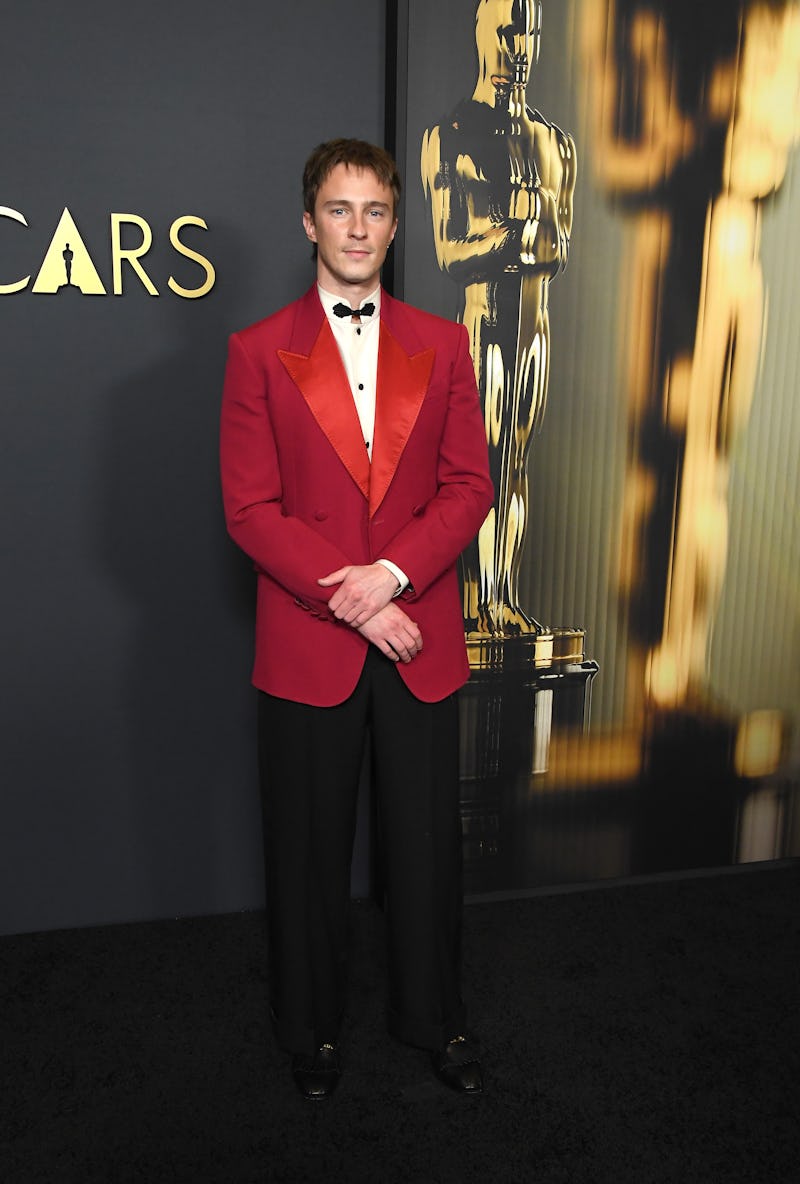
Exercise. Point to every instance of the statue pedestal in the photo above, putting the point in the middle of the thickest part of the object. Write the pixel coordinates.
(520, 690)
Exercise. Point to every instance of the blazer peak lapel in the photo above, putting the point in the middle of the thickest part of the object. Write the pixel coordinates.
(402, 383)
(322, 381)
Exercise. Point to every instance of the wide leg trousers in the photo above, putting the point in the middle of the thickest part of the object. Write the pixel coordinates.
(310, 760)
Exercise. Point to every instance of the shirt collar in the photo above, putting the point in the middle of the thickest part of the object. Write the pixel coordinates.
(328, 300)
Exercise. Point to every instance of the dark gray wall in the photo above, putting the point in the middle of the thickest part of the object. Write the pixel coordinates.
(128, 772)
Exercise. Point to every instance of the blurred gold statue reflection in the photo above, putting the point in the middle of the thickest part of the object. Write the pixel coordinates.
(694, 113)
(500, 180)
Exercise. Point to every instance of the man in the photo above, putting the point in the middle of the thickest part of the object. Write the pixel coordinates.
(354, 470)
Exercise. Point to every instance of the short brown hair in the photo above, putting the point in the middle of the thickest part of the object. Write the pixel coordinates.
(357, 154)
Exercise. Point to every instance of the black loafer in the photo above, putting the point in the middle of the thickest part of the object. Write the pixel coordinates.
(317, 1076)
(457, 1065)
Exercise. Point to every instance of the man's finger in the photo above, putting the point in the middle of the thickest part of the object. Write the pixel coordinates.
(413, 639)
(405, 647)
(335, 577)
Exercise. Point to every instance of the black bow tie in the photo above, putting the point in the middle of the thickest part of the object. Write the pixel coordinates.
(342, 310)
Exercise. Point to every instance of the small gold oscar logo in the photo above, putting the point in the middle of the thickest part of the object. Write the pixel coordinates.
(67, 263)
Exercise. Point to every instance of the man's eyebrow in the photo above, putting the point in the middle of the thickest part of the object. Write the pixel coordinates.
(344, 201)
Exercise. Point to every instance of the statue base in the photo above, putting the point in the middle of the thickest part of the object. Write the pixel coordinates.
(520, 690)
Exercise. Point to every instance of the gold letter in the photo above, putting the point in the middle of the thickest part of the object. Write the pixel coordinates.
(5, 289)
(190, 293)
(132, 256)
(67, 263)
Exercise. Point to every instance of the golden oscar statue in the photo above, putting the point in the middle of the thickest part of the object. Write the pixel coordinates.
(499, 180)
(693, 120)
(693, 113)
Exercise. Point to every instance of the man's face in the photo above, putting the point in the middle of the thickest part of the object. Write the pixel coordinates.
(352, 224)
(508, 34)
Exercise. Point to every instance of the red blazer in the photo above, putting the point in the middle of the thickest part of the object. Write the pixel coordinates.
(302, 499)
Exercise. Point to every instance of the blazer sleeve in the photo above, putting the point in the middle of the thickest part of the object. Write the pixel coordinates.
(438, 532)
(285, 548)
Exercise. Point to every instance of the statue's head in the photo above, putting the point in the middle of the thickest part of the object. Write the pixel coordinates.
(508, 34)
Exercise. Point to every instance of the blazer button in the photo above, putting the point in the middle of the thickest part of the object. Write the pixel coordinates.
(320, 515)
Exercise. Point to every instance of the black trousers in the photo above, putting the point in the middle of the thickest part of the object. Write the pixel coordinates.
(310, 760)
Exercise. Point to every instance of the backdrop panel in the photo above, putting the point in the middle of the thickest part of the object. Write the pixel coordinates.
(128, 768)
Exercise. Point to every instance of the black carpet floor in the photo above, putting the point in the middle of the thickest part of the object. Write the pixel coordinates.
(640, 1033)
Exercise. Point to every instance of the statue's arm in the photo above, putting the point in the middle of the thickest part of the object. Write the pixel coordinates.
(566, 190)
(545, 208)
(470, 246)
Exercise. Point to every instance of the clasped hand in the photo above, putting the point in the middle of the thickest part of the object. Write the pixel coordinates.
(363, 600)
(362, 592)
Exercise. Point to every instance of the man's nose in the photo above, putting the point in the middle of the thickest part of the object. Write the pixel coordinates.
(358, 227)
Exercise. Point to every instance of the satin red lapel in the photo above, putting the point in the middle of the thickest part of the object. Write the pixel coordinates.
(322, 381)
(402, 383)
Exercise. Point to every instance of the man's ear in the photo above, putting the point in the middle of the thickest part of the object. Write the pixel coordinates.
(308, 225)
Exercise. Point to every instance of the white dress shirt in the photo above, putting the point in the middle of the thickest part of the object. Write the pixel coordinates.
(358, 346)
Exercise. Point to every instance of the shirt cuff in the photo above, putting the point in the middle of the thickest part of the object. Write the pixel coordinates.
(397, 573)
